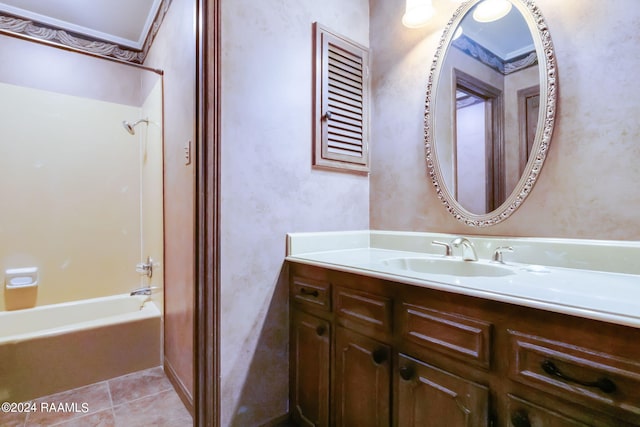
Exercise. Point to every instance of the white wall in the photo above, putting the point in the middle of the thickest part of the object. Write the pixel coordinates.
(269, 189)
(587, 186)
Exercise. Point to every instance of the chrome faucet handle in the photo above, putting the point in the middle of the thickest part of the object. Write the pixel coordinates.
(497, 254)
(145, 268)
(447, 247)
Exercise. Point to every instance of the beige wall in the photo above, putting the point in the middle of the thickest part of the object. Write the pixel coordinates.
(587, 186)
(39, 66)
(173, 51)
(69, 173)
(269, 188)
(522, 79)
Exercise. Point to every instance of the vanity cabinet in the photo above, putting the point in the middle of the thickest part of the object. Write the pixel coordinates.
(373, 352)
(310, 350)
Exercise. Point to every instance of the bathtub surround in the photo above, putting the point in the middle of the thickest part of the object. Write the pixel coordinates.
(74, 230)
(50, 205)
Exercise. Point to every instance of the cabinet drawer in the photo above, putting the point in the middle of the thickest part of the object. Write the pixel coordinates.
(575, 373)
(454, 335)
(358, 308)
(311, 293)
(521, 412)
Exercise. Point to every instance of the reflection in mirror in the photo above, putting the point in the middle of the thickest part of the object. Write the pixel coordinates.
(487, 132)
(81, 206)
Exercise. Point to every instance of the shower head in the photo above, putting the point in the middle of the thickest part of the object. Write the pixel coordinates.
(130, 127)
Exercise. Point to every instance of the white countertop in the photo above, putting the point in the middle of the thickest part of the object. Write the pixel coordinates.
(595, 294)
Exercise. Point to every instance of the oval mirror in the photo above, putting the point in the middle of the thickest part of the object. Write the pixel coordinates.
(490, 109)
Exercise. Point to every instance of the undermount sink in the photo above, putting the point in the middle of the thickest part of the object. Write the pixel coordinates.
(449, 266)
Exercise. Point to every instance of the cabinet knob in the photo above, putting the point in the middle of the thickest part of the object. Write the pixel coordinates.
(520, 418)
(604, 384)
(313, 293)
(320, 330)
(379, 356)
(406, 372)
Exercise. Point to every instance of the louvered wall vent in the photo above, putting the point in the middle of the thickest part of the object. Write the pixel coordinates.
(341, 113)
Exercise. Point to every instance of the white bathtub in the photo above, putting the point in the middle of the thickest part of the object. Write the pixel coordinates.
(44, 350)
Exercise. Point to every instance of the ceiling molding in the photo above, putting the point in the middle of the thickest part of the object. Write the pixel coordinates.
(83, 42)
(504, 66)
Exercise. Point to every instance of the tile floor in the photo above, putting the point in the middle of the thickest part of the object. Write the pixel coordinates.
(144, 398)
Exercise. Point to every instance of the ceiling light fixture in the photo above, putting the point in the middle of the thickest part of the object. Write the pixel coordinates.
(491, 10)
(458, 33)
(417, 13)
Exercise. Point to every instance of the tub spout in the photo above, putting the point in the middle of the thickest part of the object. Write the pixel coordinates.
(147, 290)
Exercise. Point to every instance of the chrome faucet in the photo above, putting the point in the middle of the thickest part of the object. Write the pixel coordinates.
(468, 251)
(146, 290)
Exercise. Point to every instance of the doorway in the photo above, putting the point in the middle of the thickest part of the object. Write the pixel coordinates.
(479, 178)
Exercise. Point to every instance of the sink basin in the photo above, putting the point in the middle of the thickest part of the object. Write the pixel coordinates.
(449, 266)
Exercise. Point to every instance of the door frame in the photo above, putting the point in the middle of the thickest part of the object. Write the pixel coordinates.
(494, 133)
(208, 135)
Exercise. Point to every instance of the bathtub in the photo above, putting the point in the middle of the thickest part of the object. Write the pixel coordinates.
(48, 349)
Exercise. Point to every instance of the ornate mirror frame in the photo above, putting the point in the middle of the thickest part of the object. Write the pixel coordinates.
(546, 117)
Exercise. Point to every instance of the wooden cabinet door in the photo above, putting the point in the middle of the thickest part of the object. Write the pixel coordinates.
(362, 380)
(310, 358)
(431, 397)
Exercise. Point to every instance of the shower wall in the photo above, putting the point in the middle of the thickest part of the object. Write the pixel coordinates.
(70, 176)
(152, 200)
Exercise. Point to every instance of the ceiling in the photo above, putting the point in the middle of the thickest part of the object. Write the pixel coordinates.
(124, 23)
(491, 35)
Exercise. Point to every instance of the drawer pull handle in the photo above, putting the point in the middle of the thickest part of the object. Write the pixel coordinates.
(313, 293)
(379, 356)
(604, 384)
(320, 330)
(520, 419)
(406, 372)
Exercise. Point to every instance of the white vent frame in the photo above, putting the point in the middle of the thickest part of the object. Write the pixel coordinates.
(341, 104)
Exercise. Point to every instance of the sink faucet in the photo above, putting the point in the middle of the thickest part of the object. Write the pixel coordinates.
(468, 251)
